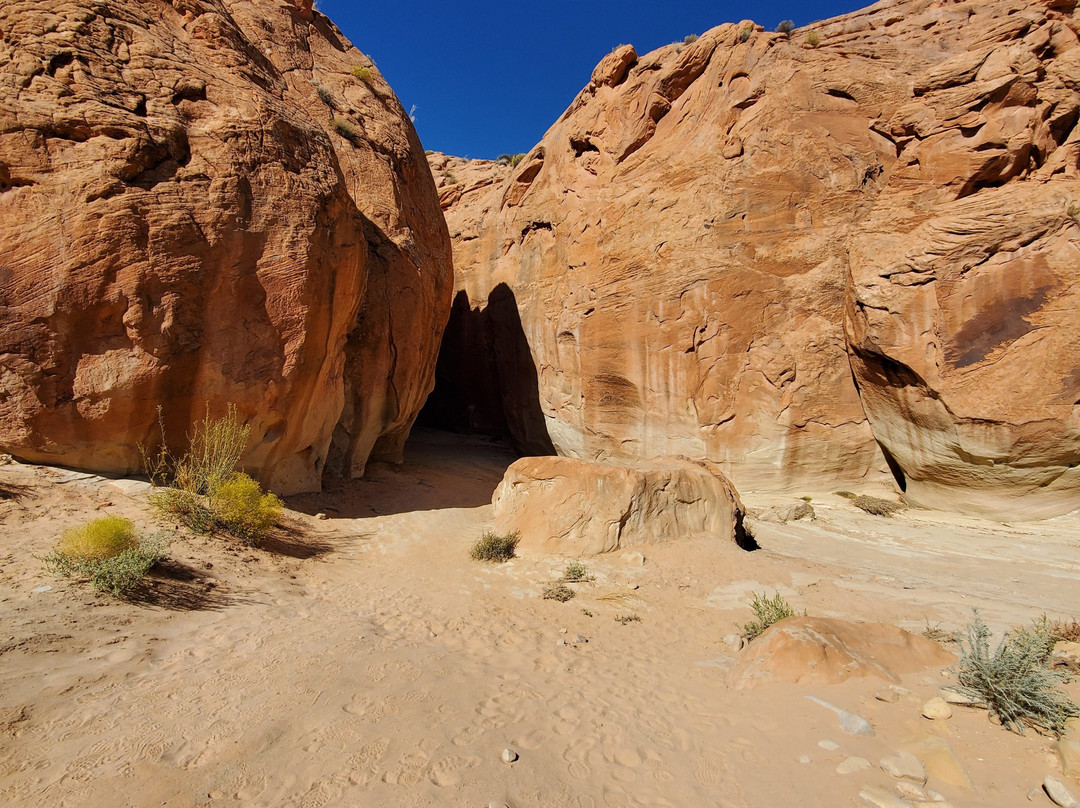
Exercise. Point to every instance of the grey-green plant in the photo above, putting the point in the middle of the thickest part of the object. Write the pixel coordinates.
(1013, 680)
(767, 611)
(576, 572)
(117, 573)
(559, 592)
(494, 548)
(785, 27)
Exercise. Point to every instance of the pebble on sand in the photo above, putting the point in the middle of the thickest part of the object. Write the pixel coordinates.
(937, 708)
(509, 755)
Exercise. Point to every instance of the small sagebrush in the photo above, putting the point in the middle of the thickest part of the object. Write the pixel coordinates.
(767, 611)
(116, 565)
(559, 592)
(813, 39)
(576, 572)
(494, 548)
(846, 494)
(876, 505)
(363, 73)
(1013, 680)
(785, 27)
(626, 619)
(240, 508)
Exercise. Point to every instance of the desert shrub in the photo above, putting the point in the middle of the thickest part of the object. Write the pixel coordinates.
(363, 73)
(117, 572)
(517, 158)
(937, 634)
(767, 611)
(1013, 680)
(785, 27)
(744, 34)
(559, 592)
(807, 499)
(347, 129)
(576, 572)
(494, 548)
(97, 540)
(202, 489)
(1065, 630)
(876, 505)
(626, 619)
(690, 39)
(846, 494)
(813, 39)
(325, 95)
(240, 508)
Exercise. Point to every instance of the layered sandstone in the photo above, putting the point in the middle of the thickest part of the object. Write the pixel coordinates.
(574, 507)
(778, 256)
(209, 201)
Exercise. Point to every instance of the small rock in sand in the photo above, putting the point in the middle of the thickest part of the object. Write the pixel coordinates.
(1056, 791)
(887, 696)
(321, 516)
(509, 755)
(1068, 752)
(829, 746)
(853, 764)
(910, 791)
(937, 708)
(849, 722)
(877, 797)
(904, 766)
(950, 696)
(497, 804)
(735, 641)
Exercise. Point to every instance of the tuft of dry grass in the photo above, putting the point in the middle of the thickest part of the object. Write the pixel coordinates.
(876, 505)
(494, 548)
(559, 592)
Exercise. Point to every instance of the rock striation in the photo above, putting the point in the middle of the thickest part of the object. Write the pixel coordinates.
(574, 507)
(202, 202)
(781, 257)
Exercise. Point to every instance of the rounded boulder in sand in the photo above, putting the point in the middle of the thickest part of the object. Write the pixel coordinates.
(825, 651)
(563, 505)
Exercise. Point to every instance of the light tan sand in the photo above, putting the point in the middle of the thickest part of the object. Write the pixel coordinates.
(366, 661)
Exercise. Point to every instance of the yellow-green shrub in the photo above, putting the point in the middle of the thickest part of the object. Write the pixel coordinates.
(240, 507)
(102, 538)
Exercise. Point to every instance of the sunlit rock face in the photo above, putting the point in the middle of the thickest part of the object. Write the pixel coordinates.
(202, 202)
(786, 259)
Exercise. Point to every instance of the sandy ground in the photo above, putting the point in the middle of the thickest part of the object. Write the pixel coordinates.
(364, 660)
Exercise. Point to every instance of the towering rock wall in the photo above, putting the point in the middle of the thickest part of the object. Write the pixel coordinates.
(778, 256)
(202, 202)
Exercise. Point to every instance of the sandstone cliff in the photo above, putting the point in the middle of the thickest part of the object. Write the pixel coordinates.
(205, 201)
(778, 256)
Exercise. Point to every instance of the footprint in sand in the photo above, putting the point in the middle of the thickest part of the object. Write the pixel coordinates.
(448, 771)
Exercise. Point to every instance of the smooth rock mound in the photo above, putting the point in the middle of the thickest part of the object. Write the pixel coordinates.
(564, 505)
(826, 651)
(213, 201)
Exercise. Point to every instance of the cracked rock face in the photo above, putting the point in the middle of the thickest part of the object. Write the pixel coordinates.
(779, 257)
(202, 202)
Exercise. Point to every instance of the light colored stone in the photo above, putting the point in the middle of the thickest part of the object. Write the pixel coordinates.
(818, 650)
(563, 505)
(783, 514)
(910, 791)
(1068, 752)
(1059, 794)
(509, 755)
(130, 487)
(1066, 655)
(951, 696)
(853, 764)
(937, 708)
(904, 766)
(829, 746)
(888, 696)
(877, 797)
(214, 234)
(849, 722)
(939, 760)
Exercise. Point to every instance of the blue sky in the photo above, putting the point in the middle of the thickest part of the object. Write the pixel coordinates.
(485, 78)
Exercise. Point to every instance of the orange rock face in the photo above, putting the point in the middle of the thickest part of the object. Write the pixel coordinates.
(214, 201)
(778, 256)
(564, 505)
(825, 651)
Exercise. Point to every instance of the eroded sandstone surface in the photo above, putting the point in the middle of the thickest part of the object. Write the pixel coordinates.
(209, 201)
(779, 257)
(575, 507)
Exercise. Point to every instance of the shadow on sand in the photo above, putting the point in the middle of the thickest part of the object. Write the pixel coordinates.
(179, 587)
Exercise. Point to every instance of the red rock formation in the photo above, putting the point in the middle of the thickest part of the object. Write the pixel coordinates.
(209, 201)
(701, 240)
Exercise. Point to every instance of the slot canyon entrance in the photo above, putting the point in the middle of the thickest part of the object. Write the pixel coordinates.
(485, 379)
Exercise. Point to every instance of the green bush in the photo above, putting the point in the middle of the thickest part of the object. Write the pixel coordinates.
(1013, 680)
(240, 508)
(517, 158)
(846, 494)
(116, 573)
(363, 73)
(767, 611)
(98, 540)
(558, 592)
(494, 548)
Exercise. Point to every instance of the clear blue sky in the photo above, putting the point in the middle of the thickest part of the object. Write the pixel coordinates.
(486, 77)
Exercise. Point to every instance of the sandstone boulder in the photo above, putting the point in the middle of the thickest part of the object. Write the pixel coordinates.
(212, 201)
(779, 257)
(826, 651)
(564, 505)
